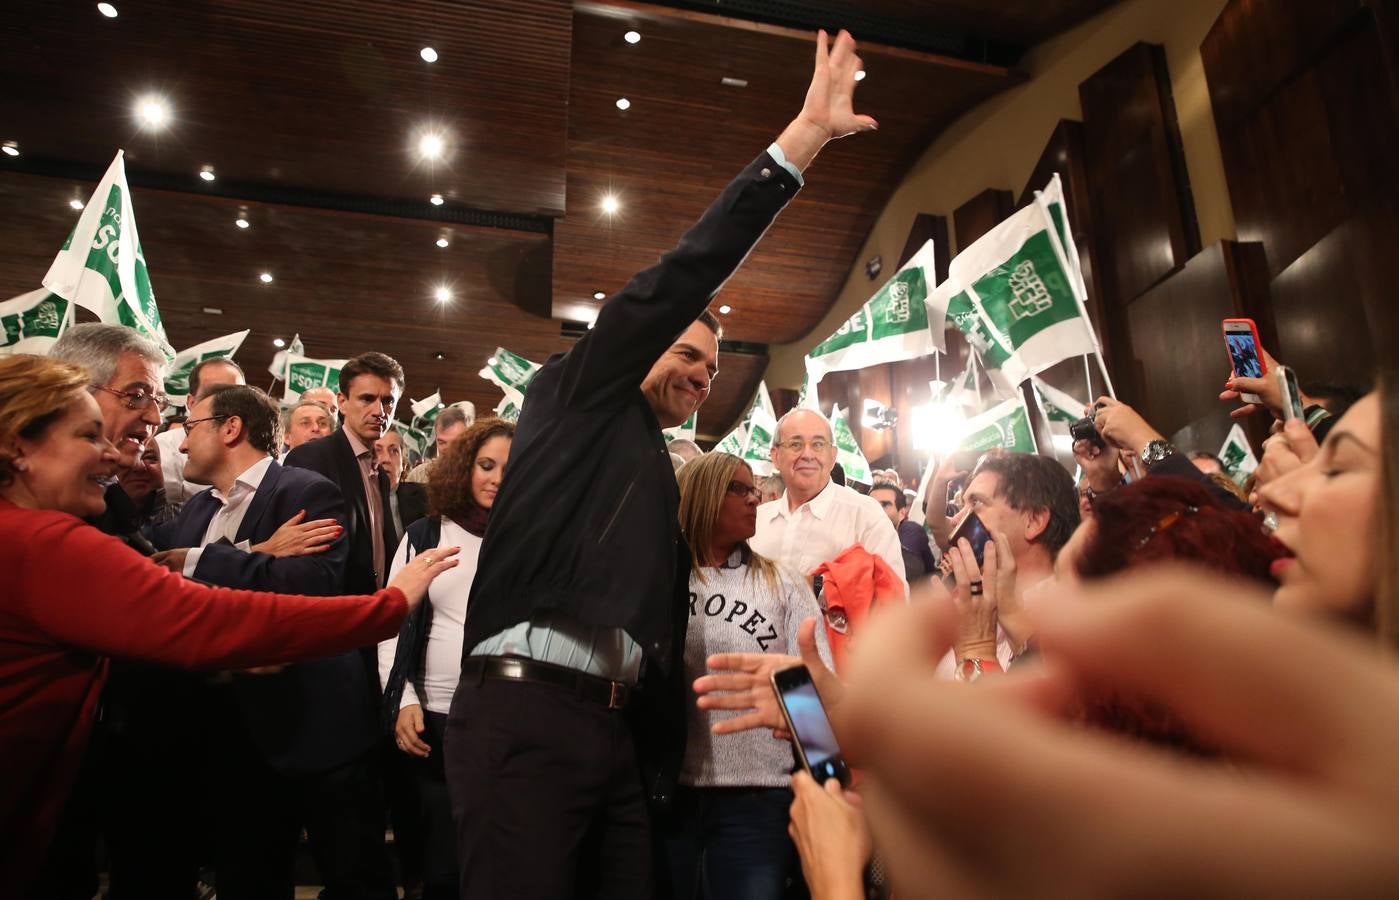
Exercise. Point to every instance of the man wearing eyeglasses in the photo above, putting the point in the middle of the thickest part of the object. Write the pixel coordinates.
(815, 519)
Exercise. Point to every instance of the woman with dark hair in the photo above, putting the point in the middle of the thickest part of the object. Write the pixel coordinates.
(74, 597)
(420, 667)
(1166, 518)
(726, 835)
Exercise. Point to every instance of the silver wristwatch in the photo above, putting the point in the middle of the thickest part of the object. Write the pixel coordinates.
(1155, 451)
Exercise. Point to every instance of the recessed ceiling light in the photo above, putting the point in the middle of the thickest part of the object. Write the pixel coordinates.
(265, 278)
(623, 103)
(443, 243)
(428, 54)
(278, 342)
(431, 144)
(443, 294)
(152, 112)
(242, 222)
(75, 203)
(436, 200)
(632, 37)
(733, 82)
(213, 311)
(860, 75)
(599, 295)
(439, 355)
(107, 10)
(725, 310)
(610, 204)
(10, 148)
(207, 173)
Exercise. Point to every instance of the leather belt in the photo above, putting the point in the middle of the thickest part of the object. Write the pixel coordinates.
(593, 688)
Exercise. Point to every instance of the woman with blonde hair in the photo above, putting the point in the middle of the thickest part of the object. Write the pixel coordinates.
(728, 827)
(73, 597)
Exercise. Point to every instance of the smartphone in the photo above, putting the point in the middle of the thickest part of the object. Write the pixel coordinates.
(811, 729)
(1291, 394)
(1245, 351)
(976, 535)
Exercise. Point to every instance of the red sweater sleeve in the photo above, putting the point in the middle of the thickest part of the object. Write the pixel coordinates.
(90, 591)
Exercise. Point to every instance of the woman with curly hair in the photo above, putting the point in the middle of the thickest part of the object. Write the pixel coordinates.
(420, 667)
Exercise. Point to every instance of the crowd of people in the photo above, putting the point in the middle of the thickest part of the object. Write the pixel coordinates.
(544, 656)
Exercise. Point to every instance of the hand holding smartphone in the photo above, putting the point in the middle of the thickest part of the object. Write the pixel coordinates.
(976, 534)
(1291, 394)
(811, 730)
(1245, 352)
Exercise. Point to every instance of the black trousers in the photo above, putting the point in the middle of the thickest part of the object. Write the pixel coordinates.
(546, 795)
(264, 811)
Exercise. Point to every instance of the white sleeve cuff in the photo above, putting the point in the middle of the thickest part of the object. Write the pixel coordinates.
(192, 561)
(781, 159)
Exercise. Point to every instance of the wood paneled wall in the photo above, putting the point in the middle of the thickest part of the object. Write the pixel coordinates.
(1306, 111)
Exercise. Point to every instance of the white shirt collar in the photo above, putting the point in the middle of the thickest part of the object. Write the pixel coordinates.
(820, 505)
(247, 482)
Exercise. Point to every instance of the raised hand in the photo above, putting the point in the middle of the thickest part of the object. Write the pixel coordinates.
(829, 110)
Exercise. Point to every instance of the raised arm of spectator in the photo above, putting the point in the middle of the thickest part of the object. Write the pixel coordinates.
(636, 325)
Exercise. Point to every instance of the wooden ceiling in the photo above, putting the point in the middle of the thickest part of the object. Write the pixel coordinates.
(308, 113)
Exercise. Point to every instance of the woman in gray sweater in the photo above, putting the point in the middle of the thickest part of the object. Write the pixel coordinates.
(727, 835)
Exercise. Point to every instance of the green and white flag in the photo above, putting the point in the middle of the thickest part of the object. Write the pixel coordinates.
(1005, 425)
(1025, 294)
(732, 443)
(1237, 456)
(101, 266)
(510, 371)
(760, 430)
(425, 411)
(848, 452)
(413, 439)
(32, 322)
(1060, 409)
(304, 373)
(684, 431)
(279, 359)
(177, 376)
(809, 397)
(510, 406)
(1052, 198)
(891, 326)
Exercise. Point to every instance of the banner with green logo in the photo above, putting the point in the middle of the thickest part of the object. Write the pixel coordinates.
(732, 443)
(1058, 407)
(101, 266)
(684, 431)
(425, 411)
(1005, 425)
(279, 359)
(848, 452)
(891, 326)
(510, 371)
(304, 373)
(177, 377)
(1237, 456)
(414, 439)
(30, 323)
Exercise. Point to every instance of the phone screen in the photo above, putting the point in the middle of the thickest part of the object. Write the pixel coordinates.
(1243, 352)
(976, 534)
(810, 726)
(1292, 394)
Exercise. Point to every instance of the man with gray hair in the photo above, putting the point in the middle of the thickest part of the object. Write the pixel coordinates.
(684, 448)
(127, 372)
(451, 422)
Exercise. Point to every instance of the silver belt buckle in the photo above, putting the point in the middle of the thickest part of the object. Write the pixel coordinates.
(619, 694)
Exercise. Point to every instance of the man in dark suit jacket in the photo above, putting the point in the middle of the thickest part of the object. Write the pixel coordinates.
(370, 385)
(292, 746)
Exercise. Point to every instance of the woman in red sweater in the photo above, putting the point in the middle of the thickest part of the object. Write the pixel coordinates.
(70, 597)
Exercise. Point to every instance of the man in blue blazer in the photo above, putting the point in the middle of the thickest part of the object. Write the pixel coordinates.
(292, 745)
